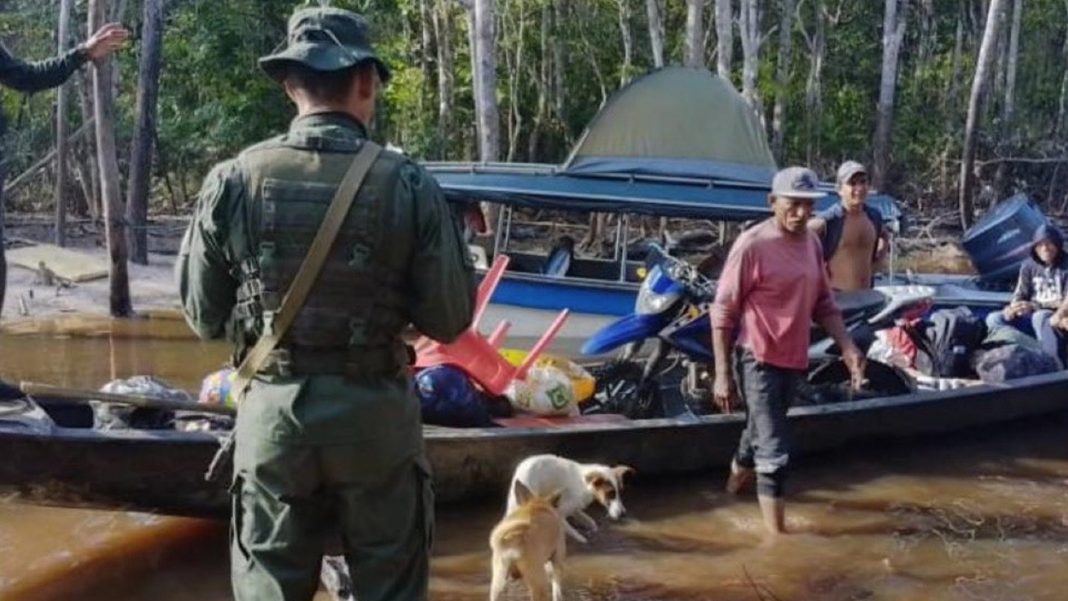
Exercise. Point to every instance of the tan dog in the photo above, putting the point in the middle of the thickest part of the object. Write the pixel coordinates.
(528, 544)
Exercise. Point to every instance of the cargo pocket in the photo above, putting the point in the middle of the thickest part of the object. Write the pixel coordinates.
(240, 558)
(425, 481)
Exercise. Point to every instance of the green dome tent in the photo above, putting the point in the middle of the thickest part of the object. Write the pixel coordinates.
(677, 121)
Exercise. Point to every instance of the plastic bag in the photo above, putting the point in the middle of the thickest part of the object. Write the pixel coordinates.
(118, 416)
(217, 388)
(582, 383)
(448, 398)
(547, 390)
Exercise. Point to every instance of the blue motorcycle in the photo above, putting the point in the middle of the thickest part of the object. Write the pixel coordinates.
(672, 312)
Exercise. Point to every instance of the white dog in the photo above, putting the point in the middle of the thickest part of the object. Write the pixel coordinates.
(579, 485)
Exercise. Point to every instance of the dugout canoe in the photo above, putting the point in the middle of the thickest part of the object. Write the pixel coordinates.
(52, 456)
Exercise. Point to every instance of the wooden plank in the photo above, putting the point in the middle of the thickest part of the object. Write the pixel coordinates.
(66, 264)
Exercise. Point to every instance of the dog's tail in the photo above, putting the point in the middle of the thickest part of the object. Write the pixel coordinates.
(509, 533)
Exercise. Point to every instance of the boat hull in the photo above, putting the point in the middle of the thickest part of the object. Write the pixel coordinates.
(163, 471)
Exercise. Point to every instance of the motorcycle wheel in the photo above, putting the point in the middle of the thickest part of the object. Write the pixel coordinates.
(621, 389)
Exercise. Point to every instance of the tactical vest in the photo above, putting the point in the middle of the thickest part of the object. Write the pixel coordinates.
(350, 323)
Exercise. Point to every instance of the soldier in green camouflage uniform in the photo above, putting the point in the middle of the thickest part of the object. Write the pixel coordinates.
(329, 439)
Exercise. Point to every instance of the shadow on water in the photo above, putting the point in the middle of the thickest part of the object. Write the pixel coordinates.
(982, 515)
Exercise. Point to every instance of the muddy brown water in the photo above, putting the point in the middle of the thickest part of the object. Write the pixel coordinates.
(983, 515)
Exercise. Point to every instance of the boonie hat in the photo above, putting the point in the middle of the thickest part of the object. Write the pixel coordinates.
(796, 182)
(325, 39)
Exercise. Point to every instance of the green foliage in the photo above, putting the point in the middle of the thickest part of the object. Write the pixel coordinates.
(214, 99)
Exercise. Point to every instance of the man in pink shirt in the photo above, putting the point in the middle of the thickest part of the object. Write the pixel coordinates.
(772, 288)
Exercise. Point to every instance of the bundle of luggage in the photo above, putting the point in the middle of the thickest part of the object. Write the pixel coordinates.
(955, 347)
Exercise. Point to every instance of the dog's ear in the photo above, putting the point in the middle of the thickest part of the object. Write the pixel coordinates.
(621, 471)
(594, 479)
(522, 493)
(554, 499)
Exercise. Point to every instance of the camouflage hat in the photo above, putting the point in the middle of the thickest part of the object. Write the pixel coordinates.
(325, 39)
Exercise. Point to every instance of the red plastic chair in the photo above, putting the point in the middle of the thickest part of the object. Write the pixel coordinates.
(479, 355)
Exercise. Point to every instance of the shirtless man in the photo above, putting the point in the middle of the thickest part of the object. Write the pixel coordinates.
(852, 233)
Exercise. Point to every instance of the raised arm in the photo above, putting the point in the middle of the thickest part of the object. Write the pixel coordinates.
(50, 73)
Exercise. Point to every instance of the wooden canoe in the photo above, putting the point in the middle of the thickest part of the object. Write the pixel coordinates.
(48, 461)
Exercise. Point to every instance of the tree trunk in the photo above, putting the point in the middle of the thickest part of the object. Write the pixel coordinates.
(749, 24)
(426, 24)
(544, 84)
(954, 77)
(817, 50)
(628, 41)
(559, 81)
(3, 258)
(63, 43)
(144, 131)
(109, 173)
(489, 134)
(982, 74)
(895, 17)
(472, 47)
(927, 35)
(782, 78)
(515, 66)
(446, 82)
(656, 31)
(1010, 67)
(81, 170)
(695, 34)
(1062, 104)
(724, 38)
(92, 164)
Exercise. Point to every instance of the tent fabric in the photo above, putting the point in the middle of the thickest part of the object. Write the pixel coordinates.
(678, 142)
(707, 128)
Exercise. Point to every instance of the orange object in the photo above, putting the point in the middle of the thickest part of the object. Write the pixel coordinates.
(478, 355)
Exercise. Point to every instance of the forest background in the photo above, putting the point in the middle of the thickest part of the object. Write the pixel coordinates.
(885, 82)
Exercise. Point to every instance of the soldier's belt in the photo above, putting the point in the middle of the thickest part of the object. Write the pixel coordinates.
(352, 363)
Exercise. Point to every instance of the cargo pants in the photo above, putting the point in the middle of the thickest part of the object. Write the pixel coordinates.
(321, 459)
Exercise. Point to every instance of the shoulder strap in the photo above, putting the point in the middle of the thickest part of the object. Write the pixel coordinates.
(832, 230)
(309, 268)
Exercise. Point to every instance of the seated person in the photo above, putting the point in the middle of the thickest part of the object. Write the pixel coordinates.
(1040, 291)
(853, 236)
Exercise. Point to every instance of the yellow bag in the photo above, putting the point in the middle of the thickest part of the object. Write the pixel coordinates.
(582, 383)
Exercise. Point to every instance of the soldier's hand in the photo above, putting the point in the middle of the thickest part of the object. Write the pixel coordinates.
(106, 40)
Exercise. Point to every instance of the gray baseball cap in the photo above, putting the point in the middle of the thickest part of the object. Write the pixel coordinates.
(325, 39)
(848, 169)
(796, 182)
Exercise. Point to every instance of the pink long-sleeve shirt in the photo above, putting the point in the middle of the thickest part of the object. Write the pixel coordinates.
(772, 287)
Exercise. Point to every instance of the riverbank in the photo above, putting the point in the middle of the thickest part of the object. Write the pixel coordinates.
(31, 296)
(152, 286)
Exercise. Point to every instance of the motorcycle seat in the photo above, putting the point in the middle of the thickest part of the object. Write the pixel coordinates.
(859, 304)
